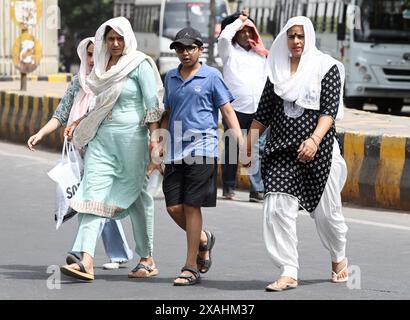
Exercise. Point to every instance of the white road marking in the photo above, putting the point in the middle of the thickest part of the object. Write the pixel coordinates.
(378, 224)
(32, 158)
(352, 220)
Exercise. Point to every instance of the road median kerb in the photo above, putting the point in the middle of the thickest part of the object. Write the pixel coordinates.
(52, 78)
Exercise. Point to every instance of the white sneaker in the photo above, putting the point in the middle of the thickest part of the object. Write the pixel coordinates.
(111, 265)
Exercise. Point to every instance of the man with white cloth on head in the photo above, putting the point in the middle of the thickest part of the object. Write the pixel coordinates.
(244, 55)
(302, 166)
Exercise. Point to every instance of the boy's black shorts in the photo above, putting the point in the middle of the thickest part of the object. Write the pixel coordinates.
(191, 184)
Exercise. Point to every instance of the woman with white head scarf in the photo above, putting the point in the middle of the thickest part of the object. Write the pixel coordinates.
(126, 83)
(302, 166)
(75, 103)
(76, 99)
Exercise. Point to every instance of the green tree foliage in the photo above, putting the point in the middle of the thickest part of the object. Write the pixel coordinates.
(82, 18)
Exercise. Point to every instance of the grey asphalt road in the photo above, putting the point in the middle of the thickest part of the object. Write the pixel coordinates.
(31, 249)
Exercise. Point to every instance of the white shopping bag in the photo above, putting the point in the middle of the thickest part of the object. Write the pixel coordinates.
(67, 174)
(154, 186)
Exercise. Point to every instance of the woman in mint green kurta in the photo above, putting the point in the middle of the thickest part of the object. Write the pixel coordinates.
(114, 182)
(117, 158)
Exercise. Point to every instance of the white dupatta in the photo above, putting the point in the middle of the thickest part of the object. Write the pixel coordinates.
(304, 86)
(84, 98)
(107, 85)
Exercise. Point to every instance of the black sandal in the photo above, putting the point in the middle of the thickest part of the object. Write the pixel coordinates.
(191, 280)
(72, 258)
(206, 263)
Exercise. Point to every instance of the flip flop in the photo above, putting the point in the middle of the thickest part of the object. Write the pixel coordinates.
(77, 274)
(288, 286)
(336, 276)
(72, 258)
(206, 263)
(152, 271)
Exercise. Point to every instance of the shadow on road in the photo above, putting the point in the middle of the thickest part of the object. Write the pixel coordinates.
(32, 272)
(21, 271)
(313, 281)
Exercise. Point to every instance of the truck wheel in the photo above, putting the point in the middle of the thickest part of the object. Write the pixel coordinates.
(383, 108)
(392, 106)
(355, 103)
(396, 109)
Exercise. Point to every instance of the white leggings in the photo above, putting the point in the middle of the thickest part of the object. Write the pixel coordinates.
(279, 223)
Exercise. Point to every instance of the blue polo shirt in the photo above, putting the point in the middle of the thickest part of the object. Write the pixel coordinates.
(194, 105)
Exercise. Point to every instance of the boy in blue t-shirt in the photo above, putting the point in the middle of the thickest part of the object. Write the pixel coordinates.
(194, 94)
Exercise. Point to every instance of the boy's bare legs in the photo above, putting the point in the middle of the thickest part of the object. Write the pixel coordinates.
(193, 218)
(190, 219)
(177, 213)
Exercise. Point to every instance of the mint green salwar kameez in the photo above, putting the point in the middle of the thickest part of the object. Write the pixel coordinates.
(114, 182)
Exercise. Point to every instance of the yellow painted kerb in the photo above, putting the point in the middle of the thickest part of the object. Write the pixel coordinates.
(354, 155)
(57, 78)
(389, 171)
(12, 123)
(4, 118)
(23, 117)
(33, 119)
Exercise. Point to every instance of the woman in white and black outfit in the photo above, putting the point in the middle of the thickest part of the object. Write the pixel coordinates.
(302, 166)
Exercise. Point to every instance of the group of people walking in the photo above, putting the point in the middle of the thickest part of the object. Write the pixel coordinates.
(286, 100)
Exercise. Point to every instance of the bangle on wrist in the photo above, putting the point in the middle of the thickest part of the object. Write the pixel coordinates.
(315, 135)
(317, 145)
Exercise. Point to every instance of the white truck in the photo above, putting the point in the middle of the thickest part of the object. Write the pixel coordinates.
(156, 22)
(375, 49)
(371, 38)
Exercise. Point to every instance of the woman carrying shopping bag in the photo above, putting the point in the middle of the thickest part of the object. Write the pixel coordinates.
(126, 83)
(67, 176)
(76, 101)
